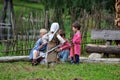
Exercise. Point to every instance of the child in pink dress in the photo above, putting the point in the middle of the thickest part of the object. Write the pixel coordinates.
(76, 41)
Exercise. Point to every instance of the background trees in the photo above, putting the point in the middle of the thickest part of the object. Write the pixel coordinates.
(74, 7)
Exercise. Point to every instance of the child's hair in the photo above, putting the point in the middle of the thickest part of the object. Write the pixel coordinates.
(43, 30)
(76, 25)
(61, 32)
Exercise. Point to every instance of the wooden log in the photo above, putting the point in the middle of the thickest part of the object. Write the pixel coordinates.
(100, 60)
(92, 48)
(14, 58)
(82, 59)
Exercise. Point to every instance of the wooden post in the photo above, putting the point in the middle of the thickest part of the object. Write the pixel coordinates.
(108, 42)
(46, 20)
(7, 12)
(2, 18)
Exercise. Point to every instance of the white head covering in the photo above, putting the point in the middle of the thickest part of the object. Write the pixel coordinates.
(49, 36)
(53, 29)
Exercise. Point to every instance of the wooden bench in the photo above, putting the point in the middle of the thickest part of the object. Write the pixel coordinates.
(108, 36)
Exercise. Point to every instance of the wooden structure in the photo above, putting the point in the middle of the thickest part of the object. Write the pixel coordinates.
(83, 59)
(105, 34)
(109, 36)
(7, 21)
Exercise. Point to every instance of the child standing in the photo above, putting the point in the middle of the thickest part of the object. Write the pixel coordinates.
(76, 41)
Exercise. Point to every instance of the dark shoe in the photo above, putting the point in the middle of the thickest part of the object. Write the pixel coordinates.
(40, 59)
(72, 62)
(34, 64)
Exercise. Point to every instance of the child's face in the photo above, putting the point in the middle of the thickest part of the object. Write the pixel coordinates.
(42, 33)
(74, 29)
(63, 36)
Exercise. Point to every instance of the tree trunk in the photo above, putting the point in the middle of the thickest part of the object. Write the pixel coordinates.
(91, 48)
(117, 19)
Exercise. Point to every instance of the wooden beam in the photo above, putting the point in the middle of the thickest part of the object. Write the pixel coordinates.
(91, 48)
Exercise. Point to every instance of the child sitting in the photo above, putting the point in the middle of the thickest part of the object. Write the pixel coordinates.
(63, 51)
(38, 49)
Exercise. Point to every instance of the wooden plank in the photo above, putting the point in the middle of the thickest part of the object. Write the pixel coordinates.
(105, 34)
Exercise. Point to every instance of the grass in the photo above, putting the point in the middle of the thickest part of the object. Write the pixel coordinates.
(83, 71)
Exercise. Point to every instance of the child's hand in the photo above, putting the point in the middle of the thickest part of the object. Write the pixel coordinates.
(59, 49)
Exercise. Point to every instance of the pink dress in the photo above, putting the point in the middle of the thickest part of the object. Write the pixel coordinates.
(76, 40)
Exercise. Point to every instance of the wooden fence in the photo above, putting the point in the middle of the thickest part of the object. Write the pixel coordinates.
(29, 24)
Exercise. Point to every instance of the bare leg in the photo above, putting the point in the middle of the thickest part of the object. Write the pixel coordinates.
(35, 54)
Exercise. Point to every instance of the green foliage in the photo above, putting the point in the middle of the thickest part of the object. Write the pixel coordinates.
(55, 4)
(28, 4)
(83, 71)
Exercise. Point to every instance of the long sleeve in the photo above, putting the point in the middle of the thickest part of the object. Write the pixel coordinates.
(66, 45)
(62, 41)
(77, 38)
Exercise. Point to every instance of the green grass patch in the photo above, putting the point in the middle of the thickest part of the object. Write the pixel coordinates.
(83, 71)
